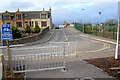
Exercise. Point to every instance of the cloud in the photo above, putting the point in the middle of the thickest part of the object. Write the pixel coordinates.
(13, 6)
(66, 10)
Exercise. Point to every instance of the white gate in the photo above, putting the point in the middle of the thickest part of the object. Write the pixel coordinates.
(70, 47)
(42, 58)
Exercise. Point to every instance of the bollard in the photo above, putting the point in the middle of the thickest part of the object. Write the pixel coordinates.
(10, 63)
(3, 67)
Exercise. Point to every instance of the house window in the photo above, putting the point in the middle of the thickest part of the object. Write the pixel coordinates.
(43, 23)
(32, 24)
(36, 22)
(8, 23)
(19, 24)
(6, 17)
(26, 22)
(18, 16)
(43, 16)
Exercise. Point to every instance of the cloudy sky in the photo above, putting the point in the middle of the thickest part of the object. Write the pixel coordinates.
(67, 10)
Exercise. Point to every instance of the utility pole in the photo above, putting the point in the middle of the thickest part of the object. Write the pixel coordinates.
(92, 23)
(83, 22)
(117, 45)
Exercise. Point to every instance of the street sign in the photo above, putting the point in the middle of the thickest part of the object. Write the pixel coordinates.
(6, 32)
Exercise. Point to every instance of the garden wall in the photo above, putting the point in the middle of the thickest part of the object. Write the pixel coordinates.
(29, 38)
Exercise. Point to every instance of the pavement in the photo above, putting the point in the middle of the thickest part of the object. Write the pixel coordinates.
(75, 68)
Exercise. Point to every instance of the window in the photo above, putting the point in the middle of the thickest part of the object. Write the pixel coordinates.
(6, 17)
(32, 24)
(36, 22)
(43, 23)
(18, 16)
(8, 23)
(26, 22)
(19, 24)
(43, 16)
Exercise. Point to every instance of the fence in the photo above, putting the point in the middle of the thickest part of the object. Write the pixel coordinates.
(70, 47)
(107, 31)
(35, 62)
(42, 58)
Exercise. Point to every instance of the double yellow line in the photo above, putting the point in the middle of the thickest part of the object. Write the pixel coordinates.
(105, 46)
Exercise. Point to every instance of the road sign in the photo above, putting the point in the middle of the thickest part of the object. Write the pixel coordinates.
(6, 32)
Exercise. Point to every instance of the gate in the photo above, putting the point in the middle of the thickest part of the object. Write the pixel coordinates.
(70, 47)
(42, 58)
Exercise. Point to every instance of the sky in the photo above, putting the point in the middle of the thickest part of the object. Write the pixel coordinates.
(67, 10)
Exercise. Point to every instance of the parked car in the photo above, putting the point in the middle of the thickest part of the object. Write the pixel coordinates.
(57, 27)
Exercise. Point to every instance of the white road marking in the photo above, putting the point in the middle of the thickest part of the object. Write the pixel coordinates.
(65, 35)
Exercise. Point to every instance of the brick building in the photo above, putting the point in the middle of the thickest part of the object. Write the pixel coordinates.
(1, 20)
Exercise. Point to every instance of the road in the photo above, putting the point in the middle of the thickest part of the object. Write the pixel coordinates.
(85, 46)
(86, 49)
(77, 67)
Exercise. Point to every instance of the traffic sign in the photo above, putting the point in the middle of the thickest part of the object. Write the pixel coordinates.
(6, 32)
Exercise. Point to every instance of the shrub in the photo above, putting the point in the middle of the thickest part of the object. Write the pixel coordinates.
(27, 29)
(36, 28)
(16, 33)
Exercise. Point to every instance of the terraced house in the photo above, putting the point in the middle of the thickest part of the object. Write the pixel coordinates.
(1, 20)
(21, 18)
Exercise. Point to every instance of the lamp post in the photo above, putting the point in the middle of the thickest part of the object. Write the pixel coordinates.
(99, 20)
(92, 23)
(83, 22)
(117, 45)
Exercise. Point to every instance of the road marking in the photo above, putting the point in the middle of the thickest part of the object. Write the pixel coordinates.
(105, 46)
(65, 35)
(97, 39)
(109, 50)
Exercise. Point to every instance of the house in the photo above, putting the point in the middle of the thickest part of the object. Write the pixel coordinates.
(1, 20)
(19, 18)
(71, 25)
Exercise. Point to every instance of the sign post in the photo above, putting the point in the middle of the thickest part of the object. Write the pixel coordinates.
(6, 34)
(117, 45)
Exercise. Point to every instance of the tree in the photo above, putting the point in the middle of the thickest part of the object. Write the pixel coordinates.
(27, 29)
(36, 28)
(16, 33)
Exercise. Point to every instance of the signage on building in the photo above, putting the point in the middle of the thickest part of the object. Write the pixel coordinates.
(6, 32)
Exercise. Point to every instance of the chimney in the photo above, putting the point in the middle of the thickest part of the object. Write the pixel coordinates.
(43, 9)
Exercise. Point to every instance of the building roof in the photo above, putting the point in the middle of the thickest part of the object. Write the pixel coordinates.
(30, 14)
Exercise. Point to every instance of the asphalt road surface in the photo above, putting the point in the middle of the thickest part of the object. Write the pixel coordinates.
(86, 49)
(85, 46)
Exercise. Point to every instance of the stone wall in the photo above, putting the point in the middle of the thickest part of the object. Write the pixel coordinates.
(29, 38)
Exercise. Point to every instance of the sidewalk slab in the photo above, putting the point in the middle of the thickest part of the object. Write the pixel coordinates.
(76, 68)
(98, 38)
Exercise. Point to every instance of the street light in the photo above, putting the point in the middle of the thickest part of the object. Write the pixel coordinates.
(92, 22)
(83, 21)
(99, 20)
(117, 45)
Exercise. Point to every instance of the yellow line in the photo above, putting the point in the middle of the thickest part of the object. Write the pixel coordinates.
(105, 46)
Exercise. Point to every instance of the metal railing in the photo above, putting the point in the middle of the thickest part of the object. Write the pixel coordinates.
(70, 47)
(36, 62)
(42, 58)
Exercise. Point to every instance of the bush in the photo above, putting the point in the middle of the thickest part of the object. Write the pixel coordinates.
(27, 29)
(16, 33)
(36, 28)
